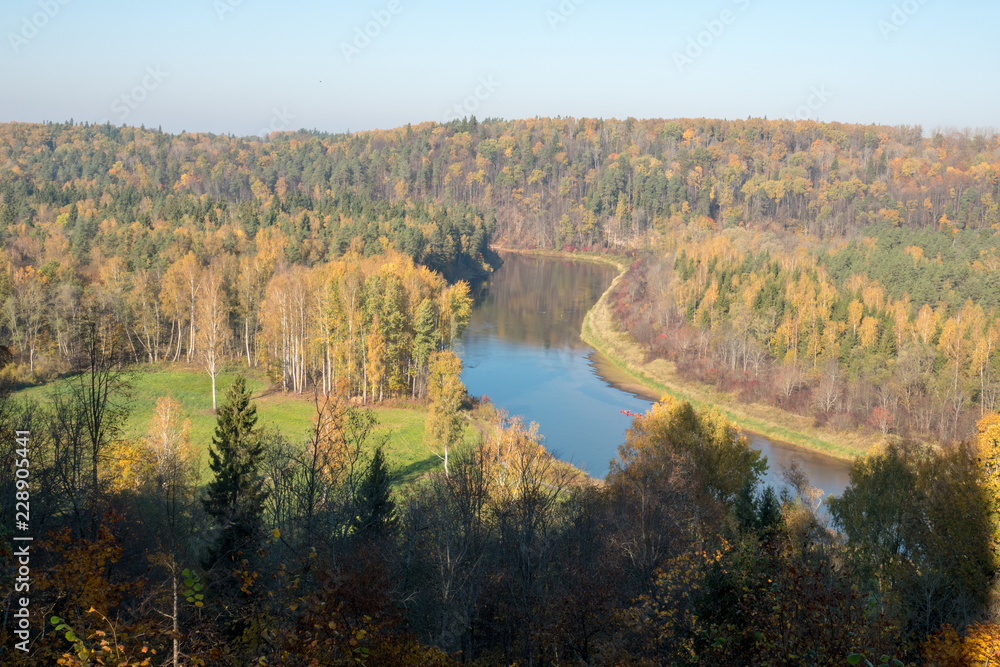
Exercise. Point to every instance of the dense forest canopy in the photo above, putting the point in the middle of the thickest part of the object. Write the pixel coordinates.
(845, 272)
(85, 206)
(874, 331)
(547, 181)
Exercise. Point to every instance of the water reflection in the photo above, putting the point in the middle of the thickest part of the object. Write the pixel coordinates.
(523, 350)
(538, 301)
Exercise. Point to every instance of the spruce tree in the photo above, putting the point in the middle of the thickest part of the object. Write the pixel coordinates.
(376, 513)
(769, 513)
(235, 497)
(745, 507)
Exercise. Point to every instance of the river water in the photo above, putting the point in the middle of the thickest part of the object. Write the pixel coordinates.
(523, 350)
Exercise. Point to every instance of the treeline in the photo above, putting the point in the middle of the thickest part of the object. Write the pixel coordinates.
(102, 214)
(359, 326)
(895, 331)
(363, 328)
(212, 278)
(296, 553)
(149, 198)
(547, 182)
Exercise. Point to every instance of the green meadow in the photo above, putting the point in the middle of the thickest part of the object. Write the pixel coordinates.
(402, 428)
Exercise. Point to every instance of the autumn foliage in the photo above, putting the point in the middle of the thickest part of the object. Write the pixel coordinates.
(843, 272)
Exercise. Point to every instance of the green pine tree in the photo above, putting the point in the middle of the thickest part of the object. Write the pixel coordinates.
(883, 164)
(235, 498)
(769, 512)
(376, 515)
(745, 508)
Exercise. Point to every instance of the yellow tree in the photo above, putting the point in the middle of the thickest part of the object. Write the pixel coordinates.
(979, 645)
(786, 338)
(374, 360)
(869, 331)
(456, 307)
(982, 357)
(169, 466)
(957, 349)
(443, 429)
(855, 312)
(988, 446)
(212, 323)
(286, 323)
(125, 470)
(926, 323)
(179, 296)
(254, 273)
(873, 296)
(322, 302)
(901, 320)
(510, 450)
(346, 327)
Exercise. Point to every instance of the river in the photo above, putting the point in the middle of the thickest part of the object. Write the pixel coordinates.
(522, 349)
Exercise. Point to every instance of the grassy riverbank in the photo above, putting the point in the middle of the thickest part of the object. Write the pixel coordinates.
(617, 261)
(627, 367)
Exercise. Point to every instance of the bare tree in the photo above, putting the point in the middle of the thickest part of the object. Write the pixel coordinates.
(86, 416)
(102, 391)
(448, 536)
(212, 317)
(527, 516)
(827, 394)
(316, 495)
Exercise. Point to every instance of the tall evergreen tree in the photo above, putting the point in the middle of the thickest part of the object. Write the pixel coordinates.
(376, 513)
(236, 496)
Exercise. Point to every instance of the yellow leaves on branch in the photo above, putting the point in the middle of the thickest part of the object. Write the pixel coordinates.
(513, 454)
(126, 458)
(669, 611)
(868, 334)
(167, 442)
(443, 429)
(978, 648)
(988, 446)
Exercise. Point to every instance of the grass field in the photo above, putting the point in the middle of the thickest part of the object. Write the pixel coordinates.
(402, 427)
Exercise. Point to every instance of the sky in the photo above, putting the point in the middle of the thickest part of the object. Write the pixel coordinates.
(252, 66)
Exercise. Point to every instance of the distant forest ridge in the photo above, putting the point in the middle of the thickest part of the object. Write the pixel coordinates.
(542, 182)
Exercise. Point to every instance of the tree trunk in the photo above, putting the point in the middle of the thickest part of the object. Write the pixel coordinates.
(176, 633)
(246, 339)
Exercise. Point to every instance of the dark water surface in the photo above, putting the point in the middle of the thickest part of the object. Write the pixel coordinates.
(523, 350)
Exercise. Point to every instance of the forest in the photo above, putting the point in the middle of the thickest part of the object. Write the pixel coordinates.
(303, 552)
(877, 333)
(98, 208)
(844, 272)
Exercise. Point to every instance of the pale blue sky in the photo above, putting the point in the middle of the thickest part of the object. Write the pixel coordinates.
(242, 66)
